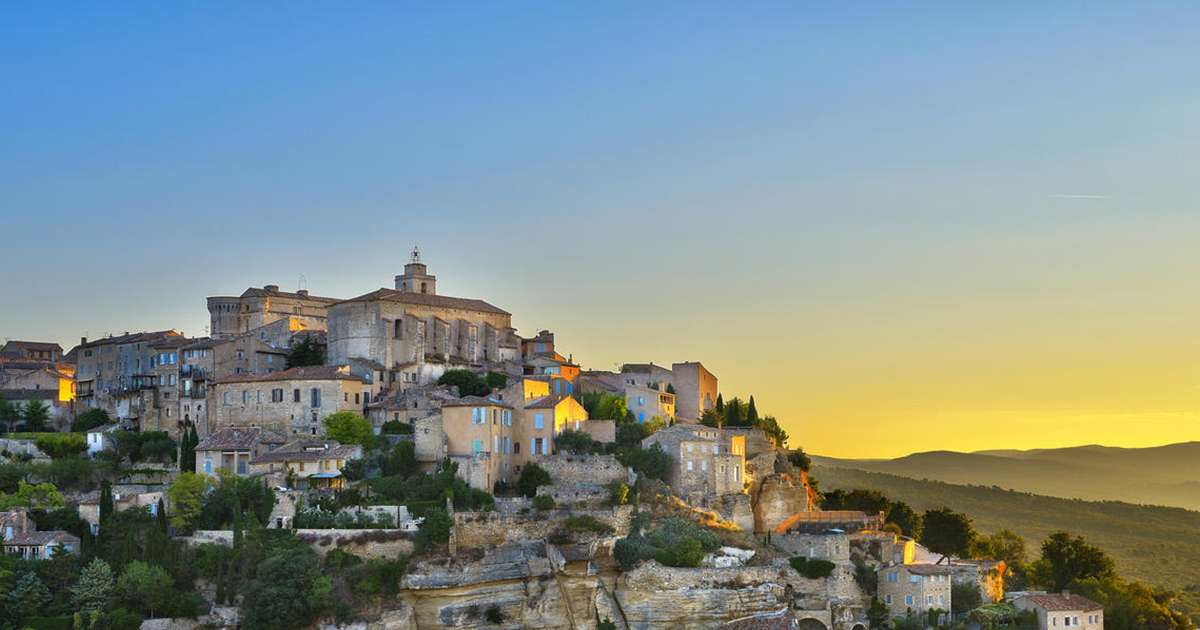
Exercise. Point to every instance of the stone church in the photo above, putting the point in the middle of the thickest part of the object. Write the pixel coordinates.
(416, 334)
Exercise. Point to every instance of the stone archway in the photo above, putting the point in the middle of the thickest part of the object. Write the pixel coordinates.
(859, 626)
(810, 623)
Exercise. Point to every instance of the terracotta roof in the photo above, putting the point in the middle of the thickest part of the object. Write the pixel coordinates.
(1059, 601)
(37, 539)
(130, 338)
(33, 345)
(546, 402)
(925, 569)
(239, 438)
(306, 453)
(475, 401)
(204, 343)
(429, 299)
(306, 373)
(264, 292)
(170, 342)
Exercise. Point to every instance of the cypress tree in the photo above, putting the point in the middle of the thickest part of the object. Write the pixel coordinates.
(720, 403)
(106, 502)
(751, 413)
(733, 413)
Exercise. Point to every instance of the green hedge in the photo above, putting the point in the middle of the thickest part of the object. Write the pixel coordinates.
(812, 569)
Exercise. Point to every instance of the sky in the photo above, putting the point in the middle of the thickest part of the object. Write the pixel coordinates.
(901, 228)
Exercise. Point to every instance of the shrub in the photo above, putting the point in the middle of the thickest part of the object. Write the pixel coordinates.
(543, 502)
(618, 493)
(336, 558)
(531, 477)
(493, 615)
(812, 569)
(436, 526)
(631, 550)
(60, 445)
(395, 427)
(686, 553)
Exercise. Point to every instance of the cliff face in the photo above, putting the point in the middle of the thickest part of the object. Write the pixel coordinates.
(777, 490)
(533, 584)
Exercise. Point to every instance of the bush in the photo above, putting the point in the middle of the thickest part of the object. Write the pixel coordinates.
(60, 445)
(436, 526)
(531, 477)
(543, 502)
(812, 569)
(395, 427)
(618, 493)
(631, 550)
(686, 553)
(87, 420)
(338, 559)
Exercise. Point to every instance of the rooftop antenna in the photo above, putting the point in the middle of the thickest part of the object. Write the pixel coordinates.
(303, 284)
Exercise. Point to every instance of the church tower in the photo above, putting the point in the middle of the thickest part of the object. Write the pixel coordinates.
(414, 279)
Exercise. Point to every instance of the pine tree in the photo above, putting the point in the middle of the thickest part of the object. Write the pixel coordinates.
(751, 413)
(94, 591)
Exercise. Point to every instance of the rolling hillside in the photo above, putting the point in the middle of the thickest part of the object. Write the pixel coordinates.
(1157, 545)
(1164, 475)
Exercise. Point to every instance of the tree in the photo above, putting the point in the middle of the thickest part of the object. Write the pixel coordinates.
(906, 518)
(577, 443)
(868, 501)
(611, 407)
(751, 413)
(877, 614)
(652, 463)
(187, 450)
(94, 591)
(28, 596)
(145, 587)
(437, 525)
(720, 404)
(60, 445)
(800, 460)
(36, 413)
(348, 427)
(531, 477)
(401, 461)
(1065, 560)
(947, 532)
(306, 352)
(467, 382)
(964, 596)
(187, 498)
(42, 496)
(90, 419)
(106, 502)
(712, 418)
(733, 413)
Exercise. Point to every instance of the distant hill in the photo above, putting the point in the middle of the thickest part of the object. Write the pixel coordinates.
(1153, 544)
(1163, 475)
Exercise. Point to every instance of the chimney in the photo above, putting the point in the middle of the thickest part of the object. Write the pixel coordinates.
(1066, 593)
(302, 292)
(82, 341)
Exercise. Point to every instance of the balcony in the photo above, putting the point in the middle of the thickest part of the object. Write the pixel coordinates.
(194, 372)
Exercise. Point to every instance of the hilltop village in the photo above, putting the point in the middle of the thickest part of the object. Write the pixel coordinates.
(405, 459)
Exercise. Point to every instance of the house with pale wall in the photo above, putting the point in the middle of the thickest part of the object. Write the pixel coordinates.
(647, 403)
(231, 450)
(292, 402)
(915, 589)
(308, 464)
(705, 461)
(1058, 611)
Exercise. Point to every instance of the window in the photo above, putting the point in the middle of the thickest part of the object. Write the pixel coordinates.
(226, 401)
(889, 600)
(345, 396)
(714, 449)
(641, 417)
(943, 599)
(276, 395)
(301, 466)
(260, 396)
(689, 465)
(703, 465)
(908, 600)
(245, 396)
(893, 577)
(356, 399)
(541, 347)
(398, 329)
(295, 395)
(316, 397)
(914, 578)
(538, 421)
(1054, 621)
(495, 443)
(689, 447)
(241, 354)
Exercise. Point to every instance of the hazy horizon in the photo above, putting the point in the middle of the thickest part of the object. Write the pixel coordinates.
(943, 227)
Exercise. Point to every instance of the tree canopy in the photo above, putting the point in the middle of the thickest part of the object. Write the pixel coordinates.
(348, 427)
(305, 352)
(947, 532)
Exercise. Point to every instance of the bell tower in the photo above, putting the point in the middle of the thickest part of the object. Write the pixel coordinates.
(415, 279)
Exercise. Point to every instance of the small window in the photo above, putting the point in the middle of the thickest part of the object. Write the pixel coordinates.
(689, 465)
(295, 395)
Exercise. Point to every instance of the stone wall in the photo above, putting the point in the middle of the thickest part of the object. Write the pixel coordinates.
(584, 470)
(483, 529)
(381, 544)
(832, 547)
(21, 447)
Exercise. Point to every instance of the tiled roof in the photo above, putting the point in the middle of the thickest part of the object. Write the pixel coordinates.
(546, 402)
(130, 338)
(264, 292)
(290, 454)
(204, 343)
(30, 394)
(306, 373)
(926, 569)
(239, 438)
(33, 345)
(37, 539)
(1058, 601)
(429, 299)
(102, 429)
(475, 401)
(170, 342)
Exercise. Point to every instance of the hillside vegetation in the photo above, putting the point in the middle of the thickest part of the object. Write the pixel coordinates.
(1163, 475)
(1153, 544)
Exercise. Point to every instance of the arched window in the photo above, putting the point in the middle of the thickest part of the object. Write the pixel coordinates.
(423, 288)
(403, 286)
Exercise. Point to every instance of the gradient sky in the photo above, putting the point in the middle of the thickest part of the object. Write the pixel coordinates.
(867, 215)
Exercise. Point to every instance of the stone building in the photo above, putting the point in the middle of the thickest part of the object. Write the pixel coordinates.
(416, 333)
(308, 464)
(34, 351)
(986, 575)
(915, 589)
(646, 403)
(1062, 610)
(255, 308)
(108, 370)
(231, 450)
(32, 370)
(292, 402)
(706, 461)
(41, 545)
(480, 436)
(695, 388)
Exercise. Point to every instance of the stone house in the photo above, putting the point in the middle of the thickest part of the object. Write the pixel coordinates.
(311, 464)
(231, 450)
(411, 328)
(539, 345)
(123, 499)
(646, 403)
(479, 434)
(13, 523)
(36, 351)
(111, 372)
(292, 402)
(258, 307)
(694, 386)
(706, 461)
(1062, 610)
(98, 439)
(915, 589)
(986, 575)
(41, 545)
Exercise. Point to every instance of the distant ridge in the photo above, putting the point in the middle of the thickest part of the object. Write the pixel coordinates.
(1161, 475)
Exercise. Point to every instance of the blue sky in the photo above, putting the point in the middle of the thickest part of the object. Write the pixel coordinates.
(855, 212)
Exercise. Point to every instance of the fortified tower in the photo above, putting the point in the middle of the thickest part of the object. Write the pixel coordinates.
(415, 279)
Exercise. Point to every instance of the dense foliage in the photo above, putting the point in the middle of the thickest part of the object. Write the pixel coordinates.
(306, 352)
(472, 384)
